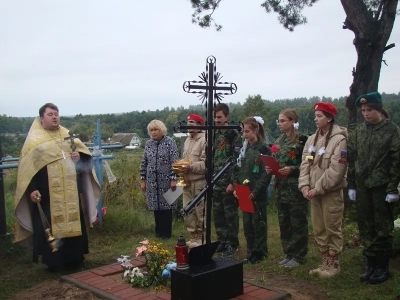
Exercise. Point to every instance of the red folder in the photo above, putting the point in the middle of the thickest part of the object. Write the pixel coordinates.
(271, 162)
(243, 193)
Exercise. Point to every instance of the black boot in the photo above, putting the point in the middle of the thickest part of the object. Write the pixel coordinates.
(371, 260)
(381, 273)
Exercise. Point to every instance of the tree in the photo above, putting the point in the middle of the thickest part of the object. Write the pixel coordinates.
(254, 106)
(371, 21)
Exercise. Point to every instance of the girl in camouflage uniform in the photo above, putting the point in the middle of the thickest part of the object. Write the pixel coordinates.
(251, 167)
(373, 176)
(322, 179)
(292, 206)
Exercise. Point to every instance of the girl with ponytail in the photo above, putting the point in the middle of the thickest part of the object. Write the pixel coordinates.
(250, 171)
(292, 206)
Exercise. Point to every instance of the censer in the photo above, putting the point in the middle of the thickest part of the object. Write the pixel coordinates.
(51, 240)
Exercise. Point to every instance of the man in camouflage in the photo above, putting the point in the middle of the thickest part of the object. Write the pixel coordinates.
(225, 205)
(373, 177)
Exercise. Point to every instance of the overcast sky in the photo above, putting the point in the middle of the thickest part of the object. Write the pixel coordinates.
(98, 56)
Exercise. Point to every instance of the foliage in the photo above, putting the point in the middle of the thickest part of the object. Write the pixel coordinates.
(156, 257)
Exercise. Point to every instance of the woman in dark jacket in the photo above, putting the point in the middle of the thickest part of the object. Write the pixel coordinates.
(157, 175)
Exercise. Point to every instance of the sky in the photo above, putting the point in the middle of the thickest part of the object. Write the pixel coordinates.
(99, 57)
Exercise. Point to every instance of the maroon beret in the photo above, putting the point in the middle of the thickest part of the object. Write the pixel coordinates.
(326, 107)
(196, 118)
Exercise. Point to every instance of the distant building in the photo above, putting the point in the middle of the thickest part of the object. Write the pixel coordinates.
(126, 139)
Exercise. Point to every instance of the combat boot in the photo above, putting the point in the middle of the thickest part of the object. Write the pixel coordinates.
(332, 267)
(322, 266)
(371, 261)
(381, 273)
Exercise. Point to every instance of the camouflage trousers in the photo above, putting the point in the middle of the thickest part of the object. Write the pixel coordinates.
(293, 223)
(255, 227)
(375, 220)
(226, 217)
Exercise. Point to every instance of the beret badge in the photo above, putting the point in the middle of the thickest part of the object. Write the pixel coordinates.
(363, 101)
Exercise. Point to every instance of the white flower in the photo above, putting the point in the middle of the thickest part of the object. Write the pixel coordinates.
(296, 125)
(136, 272)
(126, 273)
(311, 149)
(259, 120)
(321, 151)
(126, 264)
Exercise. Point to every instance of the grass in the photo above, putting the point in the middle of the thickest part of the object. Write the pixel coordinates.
(128, 221)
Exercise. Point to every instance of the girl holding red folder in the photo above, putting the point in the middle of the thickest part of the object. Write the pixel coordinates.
(250, 171)
(292, 206)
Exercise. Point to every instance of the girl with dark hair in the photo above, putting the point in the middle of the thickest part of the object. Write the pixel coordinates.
(322, 179)
(250, 170)
(292, 206)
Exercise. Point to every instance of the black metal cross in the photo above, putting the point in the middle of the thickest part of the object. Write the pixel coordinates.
(209, 88)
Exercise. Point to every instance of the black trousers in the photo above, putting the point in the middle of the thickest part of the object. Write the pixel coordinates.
(163, 219)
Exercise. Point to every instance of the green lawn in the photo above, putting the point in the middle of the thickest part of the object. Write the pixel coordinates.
(127, 222)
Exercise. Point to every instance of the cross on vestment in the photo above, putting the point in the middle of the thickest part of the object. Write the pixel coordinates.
(209, 88)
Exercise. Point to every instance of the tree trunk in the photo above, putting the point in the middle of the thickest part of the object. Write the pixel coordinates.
(371, 35)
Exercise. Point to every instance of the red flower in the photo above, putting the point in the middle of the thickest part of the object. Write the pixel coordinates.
(274, 148)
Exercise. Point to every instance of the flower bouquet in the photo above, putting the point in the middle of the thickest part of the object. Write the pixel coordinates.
(156, 258)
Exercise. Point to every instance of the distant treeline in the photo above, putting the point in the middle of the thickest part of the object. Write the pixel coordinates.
(135, 121)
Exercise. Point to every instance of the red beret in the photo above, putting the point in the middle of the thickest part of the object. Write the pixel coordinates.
(197, 118)
(326, 107)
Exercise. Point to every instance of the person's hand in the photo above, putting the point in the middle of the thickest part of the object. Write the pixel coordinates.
(230, 189)
(35, 196)
(268, 170)
(285, 171)
(185, 168)
(392, 198)
(173, 185)
(305, 192)
(234, 194)
(311, 193)
(352, 194)
(251, 196)
(143, 185)
(75, 156)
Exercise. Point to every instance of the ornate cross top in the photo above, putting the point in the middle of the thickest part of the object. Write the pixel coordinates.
(211, 79)
(210, 88)
(71, 137)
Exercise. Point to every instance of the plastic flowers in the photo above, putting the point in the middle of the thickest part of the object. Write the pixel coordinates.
(274, 148)
(156, 259)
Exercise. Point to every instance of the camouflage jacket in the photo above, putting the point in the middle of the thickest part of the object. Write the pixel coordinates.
(374, 155)
(253, 169)
(226, 143)
(288, 154)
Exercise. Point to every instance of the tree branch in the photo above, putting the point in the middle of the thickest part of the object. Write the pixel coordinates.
(358, 18)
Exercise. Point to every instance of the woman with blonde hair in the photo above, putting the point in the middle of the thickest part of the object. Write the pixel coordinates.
(157, 175)
(322, 179)
(292, 206)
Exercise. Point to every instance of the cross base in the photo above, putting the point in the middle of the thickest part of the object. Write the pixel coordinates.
(222, 279)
